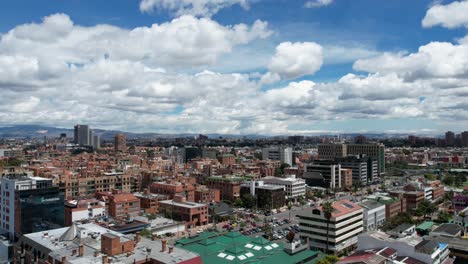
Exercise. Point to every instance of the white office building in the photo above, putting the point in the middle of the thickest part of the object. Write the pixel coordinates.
(345, 224)
(293, 187)
(374, 214)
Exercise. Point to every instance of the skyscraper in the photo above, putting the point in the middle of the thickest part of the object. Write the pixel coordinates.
(96, 141)
(82, 135)
(450, 138)
(120, 143)
(464, 138)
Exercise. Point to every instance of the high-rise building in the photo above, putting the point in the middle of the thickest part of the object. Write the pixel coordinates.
(323, 173)
(120, 143)
(464, 138)
(358, 166)
(283, 154)
(29, 204)
(450, 138)
(96, 141)
(375, 151)
(334, 150)
(82, 135)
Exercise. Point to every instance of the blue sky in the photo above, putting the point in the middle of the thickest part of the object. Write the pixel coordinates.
(348, 66)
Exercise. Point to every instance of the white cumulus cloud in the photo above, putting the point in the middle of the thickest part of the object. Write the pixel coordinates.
(317, 3)
(293, 60)
(449, 16)
(205, 8)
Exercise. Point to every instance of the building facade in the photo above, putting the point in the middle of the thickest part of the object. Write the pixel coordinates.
(345, 224)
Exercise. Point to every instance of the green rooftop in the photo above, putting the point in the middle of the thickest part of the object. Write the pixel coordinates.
(234, 247)
(425, 225)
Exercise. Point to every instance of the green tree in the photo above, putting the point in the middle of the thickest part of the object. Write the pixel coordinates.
(443, 217)
(327, 209)
(430, 176)
(146, 233)
(397, 220)
(249, 200)
(238, 202)
(266, 228)
(329, 259)
(425, 208)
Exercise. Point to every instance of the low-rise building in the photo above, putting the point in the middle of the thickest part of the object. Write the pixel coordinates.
(233, 247)
(393, 205)
(293, 187)
(425, 251)
(207, 195)
(149, 202)
(121, 205)
(229, 186)
(173, 188)
(374, 214)
(179, 209)
(83, 209)
(413, 198)
(267, 196)
(91, 243)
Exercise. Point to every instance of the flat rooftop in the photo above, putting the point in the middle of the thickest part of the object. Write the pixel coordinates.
(183, 204)
(234, 247)
(92, 244)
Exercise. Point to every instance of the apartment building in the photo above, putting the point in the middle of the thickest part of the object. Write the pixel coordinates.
(345, 224)
(229, 186)
(347, 178)
(120, 204)
(207, 195)
(76, 185)
(149, 202)
(172, 188)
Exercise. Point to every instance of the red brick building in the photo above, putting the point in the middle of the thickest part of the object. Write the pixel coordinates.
(347, 178)
(228, 186)
(120, 204)
(149, 202)
(206, 195)
(172, 188)
(193, 214)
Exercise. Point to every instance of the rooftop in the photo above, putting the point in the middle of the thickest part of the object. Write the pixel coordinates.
(183, 204)
(91, 239)
(233, 247)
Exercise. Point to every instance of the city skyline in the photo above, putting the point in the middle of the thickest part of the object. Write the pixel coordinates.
(237, 66)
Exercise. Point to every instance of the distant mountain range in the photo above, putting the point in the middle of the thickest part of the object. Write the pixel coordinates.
(38, 131)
